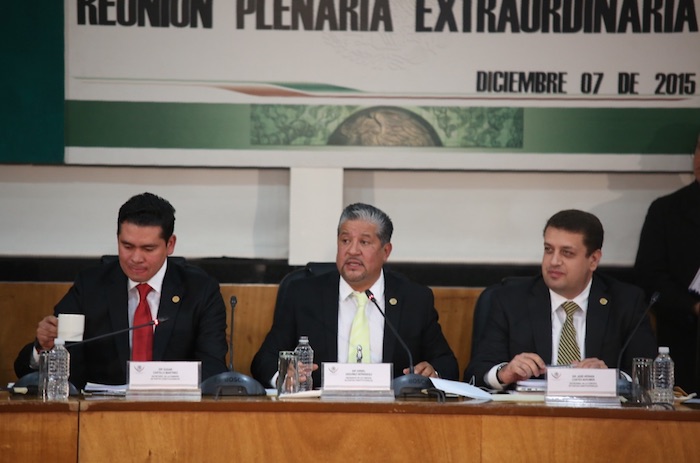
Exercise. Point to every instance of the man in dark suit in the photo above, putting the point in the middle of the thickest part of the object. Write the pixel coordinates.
(109, 298)
(529, 318)
(668, 260)
(324, 308)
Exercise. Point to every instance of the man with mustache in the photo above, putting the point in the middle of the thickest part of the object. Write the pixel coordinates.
(529, 318)
(324, 308)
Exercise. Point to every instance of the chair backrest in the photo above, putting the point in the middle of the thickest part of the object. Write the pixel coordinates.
(309, 270)
(481, 314)
(483, 306)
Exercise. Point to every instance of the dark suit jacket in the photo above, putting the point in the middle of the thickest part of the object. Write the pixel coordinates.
(196, 329)
(667, 260)
(520, 321)
(310, 308)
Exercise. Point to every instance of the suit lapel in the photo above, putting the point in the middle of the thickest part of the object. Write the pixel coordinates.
(116, 299)
(540, 308)
(596, 318)
(393, 314)
(329, 312)
(172, 295)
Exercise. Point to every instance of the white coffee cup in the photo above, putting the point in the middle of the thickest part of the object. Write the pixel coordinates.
(71, 326)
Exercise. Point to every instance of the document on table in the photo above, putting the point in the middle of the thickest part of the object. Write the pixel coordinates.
(105, 389)
(459, 388)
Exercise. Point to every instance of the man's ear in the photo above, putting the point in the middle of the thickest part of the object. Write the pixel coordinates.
(595, 259)
(387, 251)
(170, 245)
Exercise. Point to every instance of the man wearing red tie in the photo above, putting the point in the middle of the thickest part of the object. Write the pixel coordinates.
(141, 286)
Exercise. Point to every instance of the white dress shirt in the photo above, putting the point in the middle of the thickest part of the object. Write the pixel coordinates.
(347, 307)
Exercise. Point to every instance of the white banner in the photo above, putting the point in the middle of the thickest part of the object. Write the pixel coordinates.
(323, 62)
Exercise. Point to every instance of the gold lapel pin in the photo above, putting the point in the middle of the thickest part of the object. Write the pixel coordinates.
(176, 299)
(603, 301)
(393, 301)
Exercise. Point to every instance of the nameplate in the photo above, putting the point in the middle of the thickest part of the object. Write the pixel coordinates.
(581, 382)
(163, 376)
(356, 376)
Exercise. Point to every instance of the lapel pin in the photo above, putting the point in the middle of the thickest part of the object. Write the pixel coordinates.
(176, 299)
(603, 301)
(393, 301)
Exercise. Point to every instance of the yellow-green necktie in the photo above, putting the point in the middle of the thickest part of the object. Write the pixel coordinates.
(358, 346)
(568, 347)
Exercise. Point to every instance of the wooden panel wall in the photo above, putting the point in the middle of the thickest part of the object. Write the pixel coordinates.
(22, 305)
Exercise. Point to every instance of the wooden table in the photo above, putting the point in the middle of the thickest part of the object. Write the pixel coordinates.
(35, 431)
(237, 429)
(262, 429)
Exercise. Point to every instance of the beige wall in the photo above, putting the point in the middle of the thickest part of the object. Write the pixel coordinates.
(439, 216)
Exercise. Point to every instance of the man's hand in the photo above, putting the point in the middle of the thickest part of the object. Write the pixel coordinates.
(47, 331)
(423, 369)
(304, 371)
(523, 366)
(590, 363)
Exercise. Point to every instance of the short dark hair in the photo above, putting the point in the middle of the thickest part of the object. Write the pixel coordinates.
(368, 213)
(576, 221)
(148, 209)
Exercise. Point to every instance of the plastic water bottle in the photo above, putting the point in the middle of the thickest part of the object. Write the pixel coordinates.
(305, 354)
(58, 371)
(662, 378)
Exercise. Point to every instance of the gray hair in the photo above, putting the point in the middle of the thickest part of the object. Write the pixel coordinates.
(368, 213)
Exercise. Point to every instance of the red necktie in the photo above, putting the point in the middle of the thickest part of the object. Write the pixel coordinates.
(142, 340)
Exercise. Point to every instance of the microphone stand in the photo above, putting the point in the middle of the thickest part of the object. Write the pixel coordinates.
(410, 384)
(231, 383)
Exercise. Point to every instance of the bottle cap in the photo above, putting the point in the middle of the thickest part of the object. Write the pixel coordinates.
(59, 342)
(663, 350)
(303, 339)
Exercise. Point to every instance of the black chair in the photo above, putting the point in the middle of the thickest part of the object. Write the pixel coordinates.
(482, 308)
(309, 270)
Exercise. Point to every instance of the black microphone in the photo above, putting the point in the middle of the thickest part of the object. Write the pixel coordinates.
(154, 322)
(624, 387)
(231, 382)
(410, 384)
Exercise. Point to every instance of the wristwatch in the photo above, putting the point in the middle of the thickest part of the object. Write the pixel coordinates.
(498, 369)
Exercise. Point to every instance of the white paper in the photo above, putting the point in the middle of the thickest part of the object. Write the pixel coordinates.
(695, 284)
(459, 388)
(301, 395)
(531, 385)
(91, 387)
(105, 389)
